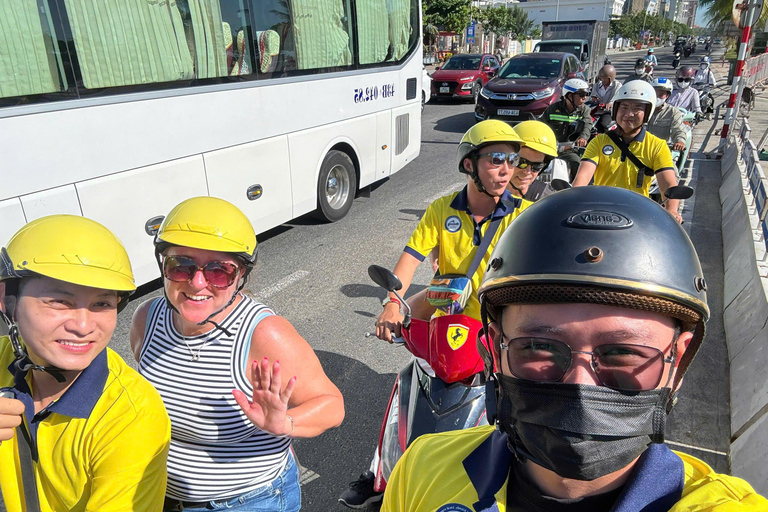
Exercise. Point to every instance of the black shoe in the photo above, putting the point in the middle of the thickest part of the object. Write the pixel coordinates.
(360, 492)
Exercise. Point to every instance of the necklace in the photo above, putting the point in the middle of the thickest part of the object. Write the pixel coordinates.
(195, 355)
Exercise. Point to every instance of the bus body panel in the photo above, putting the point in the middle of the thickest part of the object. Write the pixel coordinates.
(383, 145)
(54, 200)
(124, 202)
(13, 218)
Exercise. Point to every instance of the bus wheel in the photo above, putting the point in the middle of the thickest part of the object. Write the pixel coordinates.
(336, 186)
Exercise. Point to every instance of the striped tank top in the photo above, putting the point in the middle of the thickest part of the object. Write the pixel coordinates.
(216, 452)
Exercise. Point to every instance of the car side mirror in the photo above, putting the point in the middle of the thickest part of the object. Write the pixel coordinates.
(437, 67)
(486, 68)
(584, 56)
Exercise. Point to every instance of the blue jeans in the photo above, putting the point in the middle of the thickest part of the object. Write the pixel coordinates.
(280, 495)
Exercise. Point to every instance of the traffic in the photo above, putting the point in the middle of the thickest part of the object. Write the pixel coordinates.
(503, 324)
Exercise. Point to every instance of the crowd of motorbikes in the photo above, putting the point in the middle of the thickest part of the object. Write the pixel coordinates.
(444, 386)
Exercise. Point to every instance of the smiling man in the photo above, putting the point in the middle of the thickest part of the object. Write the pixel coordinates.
(539, 148)
(79, 429)
(587, 351)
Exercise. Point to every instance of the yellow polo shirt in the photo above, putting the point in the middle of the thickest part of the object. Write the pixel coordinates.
(469, 471)
(613, 170)
(102, 446)
(449, 225)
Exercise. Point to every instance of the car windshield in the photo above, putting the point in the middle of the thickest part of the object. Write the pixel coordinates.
(462, 63)
(531, 68)
(573, 48)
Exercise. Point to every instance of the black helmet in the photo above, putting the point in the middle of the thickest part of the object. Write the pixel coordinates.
(603, 245)
(640, 62)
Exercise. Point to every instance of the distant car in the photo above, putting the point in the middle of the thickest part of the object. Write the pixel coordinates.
(463, 75)
(526, 85)
(426, 87)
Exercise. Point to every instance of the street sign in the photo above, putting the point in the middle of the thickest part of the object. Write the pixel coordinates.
(471, 33)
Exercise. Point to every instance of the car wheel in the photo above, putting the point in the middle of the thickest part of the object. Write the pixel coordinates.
(336, 186)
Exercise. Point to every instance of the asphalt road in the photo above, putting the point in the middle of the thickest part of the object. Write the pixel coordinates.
(315, 275)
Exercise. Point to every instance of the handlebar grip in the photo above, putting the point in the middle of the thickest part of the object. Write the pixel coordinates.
(398, 340)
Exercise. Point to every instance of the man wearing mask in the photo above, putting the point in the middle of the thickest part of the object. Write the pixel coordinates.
(606, 86)
(704, 75)
(571, 119)
(685, 96)
(639, 73)
(666, 122)
(585, 362)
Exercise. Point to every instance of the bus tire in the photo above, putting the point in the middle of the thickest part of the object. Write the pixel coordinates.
(336, 186)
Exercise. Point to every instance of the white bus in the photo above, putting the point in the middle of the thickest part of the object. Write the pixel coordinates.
(119, 109)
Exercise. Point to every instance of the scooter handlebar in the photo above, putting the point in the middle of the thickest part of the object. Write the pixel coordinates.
(398, 340)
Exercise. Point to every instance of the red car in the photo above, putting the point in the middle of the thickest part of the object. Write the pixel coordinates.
(463, 75)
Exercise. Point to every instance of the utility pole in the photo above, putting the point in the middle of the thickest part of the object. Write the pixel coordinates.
(752, 7)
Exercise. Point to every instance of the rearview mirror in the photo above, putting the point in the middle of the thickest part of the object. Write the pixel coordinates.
(384, 278)
(584, 56)
(678, 192)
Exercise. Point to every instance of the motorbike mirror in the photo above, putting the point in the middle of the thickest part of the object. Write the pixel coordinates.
(559, 184)
(384, 278)
(584, 56)
(678, 192)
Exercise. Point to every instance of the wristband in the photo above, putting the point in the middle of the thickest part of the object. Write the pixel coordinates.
(391, 299)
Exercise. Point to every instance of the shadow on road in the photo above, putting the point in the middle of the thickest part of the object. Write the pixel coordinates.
(343, 453)
(458, 123)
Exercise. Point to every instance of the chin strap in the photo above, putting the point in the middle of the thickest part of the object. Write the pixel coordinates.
(476, 178)
(23, 362)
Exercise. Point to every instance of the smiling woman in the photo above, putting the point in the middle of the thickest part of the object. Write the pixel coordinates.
(218, 358)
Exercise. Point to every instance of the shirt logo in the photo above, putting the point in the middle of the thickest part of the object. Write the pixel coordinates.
(453, 224)
(454, 507)
(607, 149)
(457, 335)
(599, 219)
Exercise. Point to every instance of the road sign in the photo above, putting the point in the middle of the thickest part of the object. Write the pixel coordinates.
(471, 33)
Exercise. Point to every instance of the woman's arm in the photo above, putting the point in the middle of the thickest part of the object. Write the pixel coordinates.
(315, 403)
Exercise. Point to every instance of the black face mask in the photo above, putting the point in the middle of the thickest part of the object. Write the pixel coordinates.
(578, 431)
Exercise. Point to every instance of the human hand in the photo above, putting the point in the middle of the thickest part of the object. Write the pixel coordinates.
(389, 322)
(269, 405)
(11, 410)
(679, 146)
(581, 142)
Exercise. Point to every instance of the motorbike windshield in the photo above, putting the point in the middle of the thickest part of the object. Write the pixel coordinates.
(531, 68)
(457, 63)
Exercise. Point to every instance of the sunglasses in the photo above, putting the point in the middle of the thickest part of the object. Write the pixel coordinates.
(619, 366)
(498, 158)
(679, 80)
(582, 94)
(219, 274)
(524, 163)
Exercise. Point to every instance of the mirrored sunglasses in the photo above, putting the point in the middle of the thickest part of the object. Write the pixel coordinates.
(498, 158)
(219, 274)
(524, 163)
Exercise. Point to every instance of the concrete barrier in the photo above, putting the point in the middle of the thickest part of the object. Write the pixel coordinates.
(744, 200)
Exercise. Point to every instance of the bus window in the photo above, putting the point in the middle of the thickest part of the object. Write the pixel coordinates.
(30, 61)
(372, 31)
(204, 33)
(401, 25)
(321, 33)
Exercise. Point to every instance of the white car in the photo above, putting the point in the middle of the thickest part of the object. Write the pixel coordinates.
(426, 87)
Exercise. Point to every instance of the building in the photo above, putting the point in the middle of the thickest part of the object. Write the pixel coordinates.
(560, 10)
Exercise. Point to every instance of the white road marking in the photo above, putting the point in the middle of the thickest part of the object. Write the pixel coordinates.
(690, 446)
(282, 284)
(307, 475)
(452, 188)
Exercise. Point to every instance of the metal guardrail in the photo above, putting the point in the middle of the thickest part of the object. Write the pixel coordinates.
(756, 70)
(758, 183)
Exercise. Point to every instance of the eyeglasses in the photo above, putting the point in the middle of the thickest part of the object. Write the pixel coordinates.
(524, 163)
(498, 158)
(582, 94)
(219, 274)
(619, 366)
(680, 80)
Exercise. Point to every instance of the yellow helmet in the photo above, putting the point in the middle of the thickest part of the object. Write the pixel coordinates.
(211, 224)
(68, 248)
(490, 131)
(538, 136)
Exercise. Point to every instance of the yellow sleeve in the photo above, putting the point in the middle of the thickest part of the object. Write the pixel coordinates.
(129, 455)
(662, 158)
(592, 153)
(427, 234)
(395, 494)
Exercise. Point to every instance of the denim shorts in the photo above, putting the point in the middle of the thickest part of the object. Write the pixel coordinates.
(280, 495)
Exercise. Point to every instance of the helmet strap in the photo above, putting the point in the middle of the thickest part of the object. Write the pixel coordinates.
(476, 178)
(23, 362)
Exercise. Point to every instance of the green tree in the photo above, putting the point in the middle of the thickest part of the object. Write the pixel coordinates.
(449, 15)
(535, 32)
(519, 24)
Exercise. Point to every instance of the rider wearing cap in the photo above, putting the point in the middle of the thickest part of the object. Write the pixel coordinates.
(571, 119)
(666, 122)
(454, 224)
(650, 58)
(94, 432)
(705, 75)
(586, 351)
(605, 161)
(639, 73)
(685, 96)
(538, 151)
(606, 86)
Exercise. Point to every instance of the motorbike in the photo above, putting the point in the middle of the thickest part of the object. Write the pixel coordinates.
(649, 70)
(676, 59)
(687, 51)
(705, 99)
(441, 389)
